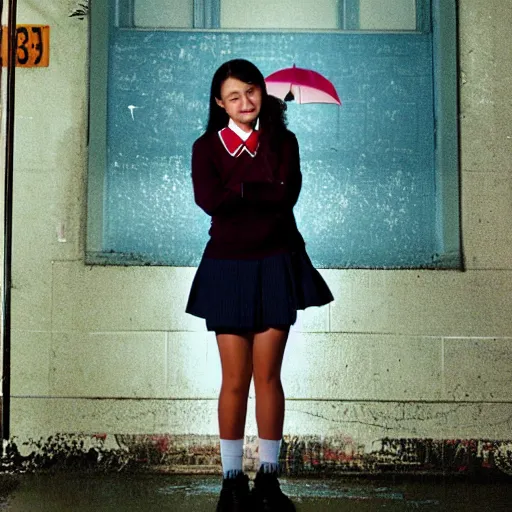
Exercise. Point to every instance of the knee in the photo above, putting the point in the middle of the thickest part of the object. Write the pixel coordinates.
(267, 379)
(236, 384)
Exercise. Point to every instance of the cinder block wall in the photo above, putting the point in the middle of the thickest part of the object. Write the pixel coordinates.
(399, 354)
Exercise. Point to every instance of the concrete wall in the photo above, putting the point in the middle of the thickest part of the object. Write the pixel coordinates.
(399, 354)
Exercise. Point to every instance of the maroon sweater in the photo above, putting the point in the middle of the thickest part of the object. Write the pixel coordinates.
(250, 199)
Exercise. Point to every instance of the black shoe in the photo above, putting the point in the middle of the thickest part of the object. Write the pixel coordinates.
(234, 495)
(266, 495)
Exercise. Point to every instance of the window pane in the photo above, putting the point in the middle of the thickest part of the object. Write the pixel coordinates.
(369, 166)
(164, 13)
(387, 14)
(268, 14)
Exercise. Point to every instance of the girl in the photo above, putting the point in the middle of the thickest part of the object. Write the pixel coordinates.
(254, 274)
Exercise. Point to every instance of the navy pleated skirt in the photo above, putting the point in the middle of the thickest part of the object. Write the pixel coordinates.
(252, 295)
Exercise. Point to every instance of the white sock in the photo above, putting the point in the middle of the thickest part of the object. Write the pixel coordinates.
(231, 454)
(269, 454)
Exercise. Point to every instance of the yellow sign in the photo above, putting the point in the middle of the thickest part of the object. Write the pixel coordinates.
(33, 48)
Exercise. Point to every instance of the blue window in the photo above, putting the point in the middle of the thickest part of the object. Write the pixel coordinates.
(380, 174)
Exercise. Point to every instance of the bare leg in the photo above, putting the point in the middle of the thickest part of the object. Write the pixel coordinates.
(236, 360)
(267, 357)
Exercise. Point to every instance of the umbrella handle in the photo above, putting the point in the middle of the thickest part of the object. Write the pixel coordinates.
(289, 96)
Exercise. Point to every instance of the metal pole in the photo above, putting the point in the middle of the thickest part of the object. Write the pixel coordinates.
(7, 270)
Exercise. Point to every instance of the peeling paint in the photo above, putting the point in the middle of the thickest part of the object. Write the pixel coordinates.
(63, 451)
(300, 455)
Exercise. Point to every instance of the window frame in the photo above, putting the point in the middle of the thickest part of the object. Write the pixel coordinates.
(444, 25)
(447, 129)
(207, 15)
(99, 35)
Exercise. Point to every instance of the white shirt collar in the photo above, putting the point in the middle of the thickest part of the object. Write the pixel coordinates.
(243, 135)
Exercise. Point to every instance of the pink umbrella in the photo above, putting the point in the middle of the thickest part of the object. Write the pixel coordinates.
(303, 85)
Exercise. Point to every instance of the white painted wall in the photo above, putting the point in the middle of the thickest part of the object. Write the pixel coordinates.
(436, 346)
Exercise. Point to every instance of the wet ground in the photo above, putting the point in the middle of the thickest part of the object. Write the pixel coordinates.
(84, 492)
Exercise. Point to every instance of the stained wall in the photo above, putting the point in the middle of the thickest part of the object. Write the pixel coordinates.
(399, 354)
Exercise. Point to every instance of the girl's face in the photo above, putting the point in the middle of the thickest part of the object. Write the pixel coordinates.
(241, 101)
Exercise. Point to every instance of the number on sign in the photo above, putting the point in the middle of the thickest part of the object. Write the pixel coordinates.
(23, 51)
(38, 46)
(32, 45)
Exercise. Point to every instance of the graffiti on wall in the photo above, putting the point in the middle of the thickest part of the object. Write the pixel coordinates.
(300, 455)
